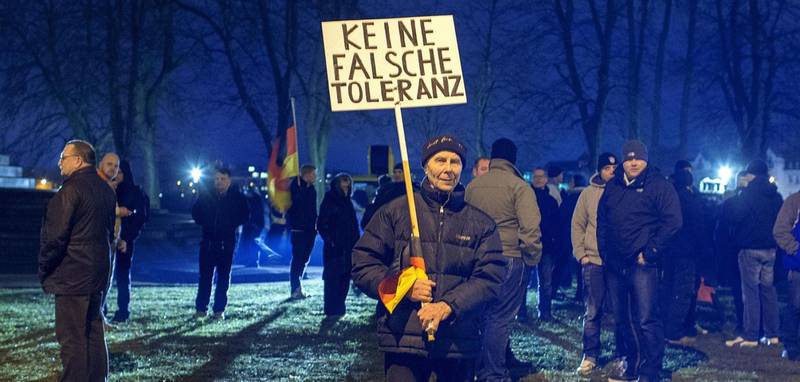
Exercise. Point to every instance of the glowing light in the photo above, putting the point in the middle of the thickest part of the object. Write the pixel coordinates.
(43, 181)
(160, 195)
(263, 175)
(255, 175)
(178, 183)
(772, 179)
(725, 173)
(251, 168)
(196, 174)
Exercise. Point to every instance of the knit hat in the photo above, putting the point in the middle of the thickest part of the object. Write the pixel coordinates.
(554, 171)
(504, 148)
(683, 164)
(443, 143)
(634, 149)
(606, 159)
(758, 167)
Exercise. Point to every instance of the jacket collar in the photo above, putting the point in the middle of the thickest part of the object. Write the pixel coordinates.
(81, 172)
(597, 181)
(504, 165)
(453, 200)
(639, 182)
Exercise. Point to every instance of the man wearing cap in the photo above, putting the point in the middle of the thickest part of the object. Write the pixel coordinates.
(636, 216)
(463, 261)
(506, 197)
(752, 219)
(584, 248)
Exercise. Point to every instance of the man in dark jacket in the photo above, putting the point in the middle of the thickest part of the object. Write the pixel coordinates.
(548, 206)
(302, 220)
(636, 216)
(504, 195)
(752, 219)
(338, 227)
(220, 212)
(74, 262)
(131, 197)
(727, 253)
(786, 232)
(248, 248)
(462, 253)
(385, 194)
(686, 248)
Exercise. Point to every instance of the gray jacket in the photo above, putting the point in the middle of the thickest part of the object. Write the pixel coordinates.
(782, 231)
(504, 195)
(584, 222)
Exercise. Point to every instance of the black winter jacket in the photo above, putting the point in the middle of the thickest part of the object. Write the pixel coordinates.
(636, 218)
(220, 215)
(76, 236)
(338, 226)
(550, 224)
(693, 240)
(754, 213)
(302, 215)
(463, 255)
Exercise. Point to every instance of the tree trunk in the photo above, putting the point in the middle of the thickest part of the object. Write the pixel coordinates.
(686, 94)
(655, 127)
(635, 53)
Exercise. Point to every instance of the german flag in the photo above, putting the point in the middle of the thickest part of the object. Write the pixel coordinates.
(280, 177)
(394, 288)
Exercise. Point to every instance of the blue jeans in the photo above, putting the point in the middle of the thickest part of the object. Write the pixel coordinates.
(214, 256)
(546, 272)
(758, 292)
(790, 324)
(594, 295)
(634, 298)
(499, 315)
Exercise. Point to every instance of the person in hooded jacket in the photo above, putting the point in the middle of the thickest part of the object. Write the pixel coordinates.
(686, 248)
(338, 227)
(787, 232)
(463, 261)
(753, 218)
(550, 225)
(584, 249)
(130, 196)
(566, 267)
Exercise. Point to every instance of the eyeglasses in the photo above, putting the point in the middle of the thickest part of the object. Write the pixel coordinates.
(62, 157)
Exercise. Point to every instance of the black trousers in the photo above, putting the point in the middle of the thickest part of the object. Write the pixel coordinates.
(302, 244)
(79, 331)
(401, 367)
(335, 293)
(122, 276)
(214, 255)
(679, 294)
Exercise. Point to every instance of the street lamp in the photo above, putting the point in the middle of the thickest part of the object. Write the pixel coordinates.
(196, 174)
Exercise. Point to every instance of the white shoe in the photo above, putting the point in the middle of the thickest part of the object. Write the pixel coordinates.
(587, 366)
(734, 342)
(772, 341)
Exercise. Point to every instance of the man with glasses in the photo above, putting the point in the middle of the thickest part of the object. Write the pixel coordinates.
(74, 262)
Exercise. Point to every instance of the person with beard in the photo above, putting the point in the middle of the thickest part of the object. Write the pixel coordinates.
(463, 260)
(338, 227)
(132, 198)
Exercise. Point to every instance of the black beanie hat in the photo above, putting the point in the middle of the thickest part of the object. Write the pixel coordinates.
(504, 148)
(606, 159)
(682, 164)
(554, 171)
(443, 143)
(758, 167)
(634, 149)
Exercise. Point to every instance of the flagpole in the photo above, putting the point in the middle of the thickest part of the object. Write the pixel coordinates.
(297, 136)
(416, 245)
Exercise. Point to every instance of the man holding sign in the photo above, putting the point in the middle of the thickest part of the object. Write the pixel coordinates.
(463, 267)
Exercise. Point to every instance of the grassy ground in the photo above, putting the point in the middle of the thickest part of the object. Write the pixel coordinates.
(270, 339)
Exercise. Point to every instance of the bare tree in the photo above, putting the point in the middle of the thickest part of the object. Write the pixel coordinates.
(688, 79)
(636, 48)
(655, 127)
(590, 106)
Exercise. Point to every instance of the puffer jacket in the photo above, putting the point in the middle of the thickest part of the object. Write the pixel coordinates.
(463, 256)
(76, 236)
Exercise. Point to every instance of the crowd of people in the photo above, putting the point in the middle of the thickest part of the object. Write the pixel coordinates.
(640, 245)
